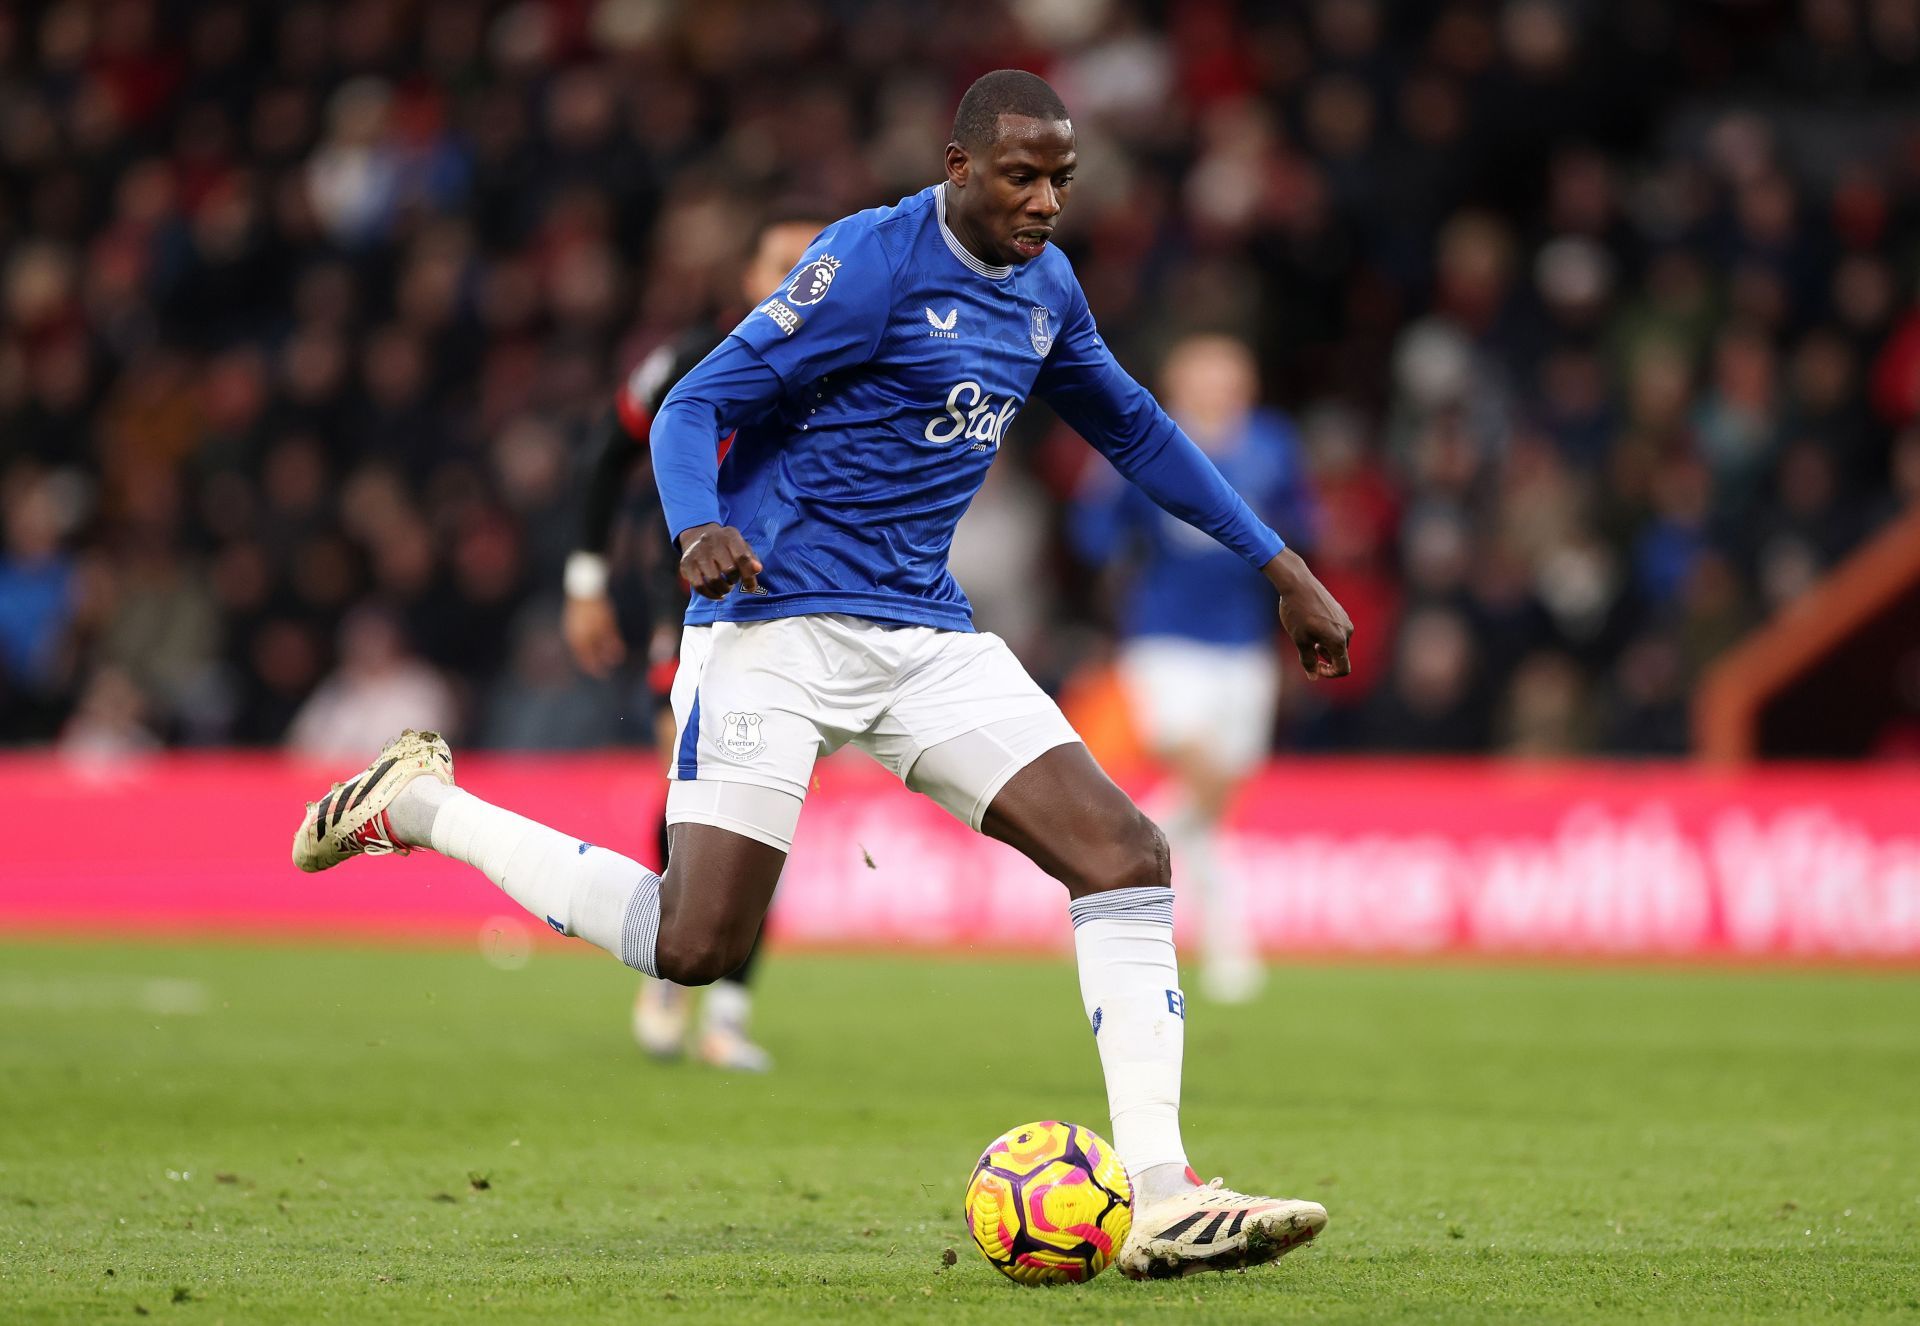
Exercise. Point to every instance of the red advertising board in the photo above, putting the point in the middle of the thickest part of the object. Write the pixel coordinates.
(1401, 858)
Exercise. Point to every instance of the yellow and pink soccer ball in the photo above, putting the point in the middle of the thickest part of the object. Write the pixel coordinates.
(1049, 1204)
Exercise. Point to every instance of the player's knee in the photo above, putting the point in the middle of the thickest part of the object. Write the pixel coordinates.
(1133, 855)
(694, 950)
(698, 959)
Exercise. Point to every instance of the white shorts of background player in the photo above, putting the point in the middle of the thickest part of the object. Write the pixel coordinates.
(1219, 701)
(952, 714)
(1187, 694)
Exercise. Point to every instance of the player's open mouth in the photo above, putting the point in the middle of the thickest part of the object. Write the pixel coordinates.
(1030, 242)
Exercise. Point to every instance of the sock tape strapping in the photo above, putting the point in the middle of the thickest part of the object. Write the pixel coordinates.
(1151, 902)
(640, 930)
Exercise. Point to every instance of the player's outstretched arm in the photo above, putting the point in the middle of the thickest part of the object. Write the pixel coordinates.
(731, 383)
(1097, 398)
(1312, 618)
(1087, 387)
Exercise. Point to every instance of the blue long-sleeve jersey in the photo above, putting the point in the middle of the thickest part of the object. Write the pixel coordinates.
(1183, 583)
(869, 394)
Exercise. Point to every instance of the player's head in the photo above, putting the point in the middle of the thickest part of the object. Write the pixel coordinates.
(779, 243)
(1009, 166)
(1209, 383)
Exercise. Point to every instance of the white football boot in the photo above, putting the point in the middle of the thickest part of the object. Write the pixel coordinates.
(1232, 980)
(660, 1015)
(351, 819)
(1214, 1228)
(729, 1048)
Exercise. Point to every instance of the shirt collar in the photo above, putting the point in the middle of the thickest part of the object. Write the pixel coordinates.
(960, 250)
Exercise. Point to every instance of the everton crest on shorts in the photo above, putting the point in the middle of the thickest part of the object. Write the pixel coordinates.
(740, 735)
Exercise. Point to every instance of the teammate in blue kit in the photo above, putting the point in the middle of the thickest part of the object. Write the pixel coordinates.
(869, 395)
(1197, 661)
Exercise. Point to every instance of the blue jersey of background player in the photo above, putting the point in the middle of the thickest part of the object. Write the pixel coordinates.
(1180, 581)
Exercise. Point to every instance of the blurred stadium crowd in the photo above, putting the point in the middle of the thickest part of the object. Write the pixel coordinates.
(1598, 322)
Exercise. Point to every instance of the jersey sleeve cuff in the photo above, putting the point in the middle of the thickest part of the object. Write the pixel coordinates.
(676, 528)
(1270, 546)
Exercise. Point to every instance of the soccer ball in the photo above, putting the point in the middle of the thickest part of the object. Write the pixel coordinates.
(1049, 1204)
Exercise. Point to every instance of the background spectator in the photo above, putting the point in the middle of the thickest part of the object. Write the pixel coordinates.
(1599, 321)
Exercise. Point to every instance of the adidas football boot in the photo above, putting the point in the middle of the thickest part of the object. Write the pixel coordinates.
(351, 819)
(1214, 1228)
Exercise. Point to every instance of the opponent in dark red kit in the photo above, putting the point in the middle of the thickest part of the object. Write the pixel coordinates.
(654, 602)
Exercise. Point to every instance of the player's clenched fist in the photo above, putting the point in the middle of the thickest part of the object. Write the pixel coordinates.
(1312, 618)
(714, 558)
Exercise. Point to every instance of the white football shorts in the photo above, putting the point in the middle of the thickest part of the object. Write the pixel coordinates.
(1187, 695)
(951, 713)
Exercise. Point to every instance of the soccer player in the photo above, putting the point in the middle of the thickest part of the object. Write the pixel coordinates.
(1197, 662)
(592, 626)
(870, 393)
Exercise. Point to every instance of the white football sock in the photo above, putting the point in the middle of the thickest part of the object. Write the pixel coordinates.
(1226, 940)
(1130, 984)
(1156, 1182)
(576, 888)
(412, 811)
(726, 1007)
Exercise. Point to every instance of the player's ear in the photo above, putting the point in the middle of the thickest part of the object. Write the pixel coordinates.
(958, 165)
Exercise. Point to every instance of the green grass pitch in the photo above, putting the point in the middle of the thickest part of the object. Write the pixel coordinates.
(239, 1134)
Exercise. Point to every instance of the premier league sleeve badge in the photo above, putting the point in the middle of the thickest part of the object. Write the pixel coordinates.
(811, 283)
